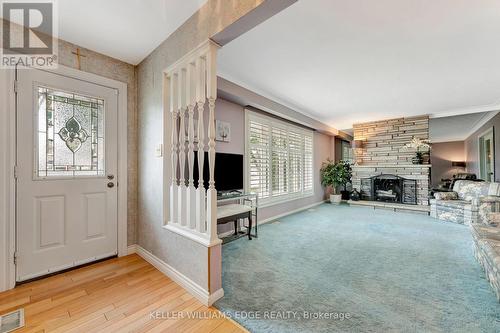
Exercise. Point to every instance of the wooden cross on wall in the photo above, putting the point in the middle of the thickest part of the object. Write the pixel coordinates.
(78, 56)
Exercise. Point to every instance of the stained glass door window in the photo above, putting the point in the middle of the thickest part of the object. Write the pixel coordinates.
(70, 134)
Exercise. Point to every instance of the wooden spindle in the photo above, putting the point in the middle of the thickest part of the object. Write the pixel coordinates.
(182, 205)
(174, 148)
(211, 85)
(191, 101)
(201, 191)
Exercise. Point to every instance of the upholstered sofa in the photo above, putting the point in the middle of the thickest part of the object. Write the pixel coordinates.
(470, 202)
(486, 237)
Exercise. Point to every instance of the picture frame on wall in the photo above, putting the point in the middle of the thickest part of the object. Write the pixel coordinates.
(222, 131)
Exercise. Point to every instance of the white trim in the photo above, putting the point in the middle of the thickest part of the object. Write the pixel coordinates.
(7, 181)
(275, 217)
(478, 140)
(473, 109)
(193, 288)
(481, 122)
(131, 249)
(8, 127)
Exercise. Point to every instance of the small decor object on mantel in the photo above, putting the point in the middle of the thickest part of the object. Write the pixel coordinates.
(422, 146)
(334, 175)
(222, 131)
(355, 195)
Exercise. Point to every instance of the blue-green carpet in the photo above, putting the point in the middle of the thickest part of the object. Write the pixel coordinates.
(391, 272)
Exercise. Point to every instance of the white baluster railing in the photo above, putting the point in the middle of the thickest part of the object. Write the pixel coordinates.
(201, 191)
(191, 81)
(174, 187)
(191, 101)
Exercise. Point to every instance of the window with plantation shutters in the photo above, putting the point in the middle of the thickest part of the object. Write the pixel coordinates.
(279, 159)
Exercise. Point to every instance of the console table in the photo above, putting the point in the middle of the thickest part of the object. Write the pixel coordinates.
(235, 206)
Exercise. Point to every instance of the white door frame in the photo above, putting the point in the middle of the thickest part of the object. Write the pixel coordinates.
(479, 137)
(8, 155)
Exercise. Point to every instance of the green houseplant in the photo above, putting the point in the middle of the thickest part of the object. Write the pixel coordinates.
(335, 175)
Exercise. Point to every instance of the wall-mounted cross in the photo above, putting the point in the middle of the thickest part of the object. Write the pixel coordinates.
(78, 56)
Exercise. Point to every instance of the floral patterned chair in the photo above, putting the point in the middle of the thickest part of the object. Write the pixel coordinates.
(470, 202)
(486, 236)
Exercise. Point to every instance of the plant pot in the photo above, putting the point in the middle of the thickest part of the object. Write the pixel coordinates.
(335, 198)
(345, 195)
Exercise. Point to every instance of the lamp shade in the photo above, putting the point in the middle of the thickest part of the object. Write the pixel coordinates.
(357, 144)
(458, 164)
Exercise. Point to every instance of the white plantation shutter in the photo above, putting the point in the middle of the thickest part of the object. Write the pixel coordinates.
(279, 159)
(296, 170)
(308, 164)
(259, 166)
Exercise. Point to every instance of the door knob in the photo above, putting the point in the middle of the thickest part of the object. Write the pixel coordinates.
(111, 184)
(111, 177)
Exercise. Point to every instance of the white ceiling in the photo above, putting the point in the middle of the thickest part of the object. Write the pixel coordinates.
(343, 62)
(124, 29)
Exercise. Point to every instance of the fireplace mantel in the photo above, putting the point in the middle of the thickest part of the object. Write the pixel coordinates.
(395, 166)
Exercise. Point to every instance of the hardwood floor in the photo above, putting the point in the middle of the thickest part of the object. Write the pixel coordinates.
(116, 295)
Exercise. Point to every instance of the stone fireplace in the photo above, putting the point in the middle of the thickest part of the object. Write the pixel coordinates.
(384, 170)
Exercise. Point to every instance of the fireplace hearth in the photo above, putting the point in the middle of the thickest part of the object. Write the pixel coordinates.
(389, 188)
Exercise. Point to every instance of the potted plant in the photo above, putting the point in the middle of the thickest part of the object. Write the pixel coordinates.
(421, 147)
(334, 175)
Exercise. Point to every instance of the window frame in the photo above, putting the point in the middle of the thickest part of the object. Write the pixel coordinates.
(290, 127)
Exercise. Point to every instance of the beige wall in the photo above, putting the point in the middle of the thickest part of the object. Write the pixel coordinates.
(442, 154)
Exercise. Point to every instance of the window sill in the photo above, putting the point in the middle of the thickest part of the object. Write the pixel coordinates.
(263, 203)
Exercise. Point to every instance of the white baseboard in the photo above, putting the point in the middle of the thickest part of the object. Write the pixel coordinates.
(193, 288)
(275, 217)
(131, 249)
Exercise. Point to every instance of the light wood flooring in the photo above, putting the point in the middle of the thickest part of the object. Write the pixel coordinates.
(116, 295)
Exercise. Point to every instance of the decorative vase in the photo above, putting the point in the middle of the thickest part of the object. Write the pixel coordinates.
(418, 158)
(355, 196)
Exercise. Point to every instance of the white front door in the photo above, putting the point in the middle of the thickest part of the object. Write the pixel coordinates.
(66, 173)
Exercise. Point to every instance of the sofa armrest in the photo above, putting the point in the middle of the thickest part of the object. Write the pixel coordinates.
(493, 219)
(446, 195)
(488, 206)
(489, 199)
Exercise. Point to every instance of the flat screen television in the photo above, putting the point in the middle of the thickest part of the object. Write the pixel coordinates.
(228, 171)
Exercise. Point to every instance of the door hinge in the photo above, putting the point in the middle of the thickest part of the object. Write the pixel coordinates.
(15, 172)
(15, 86)
(15, 258)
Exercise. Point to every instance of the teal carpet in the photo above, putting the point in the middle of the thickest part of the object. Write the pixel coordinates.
(391, 272)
